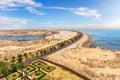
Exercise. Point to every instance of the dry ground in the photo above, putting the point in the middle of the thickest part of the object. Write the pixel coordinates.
(95, 63)
(9, 48)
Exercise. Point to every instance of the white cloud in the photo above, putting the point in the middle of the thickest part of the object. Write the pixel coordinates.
(33, 10)
(12, 23)
(18, 3)
(62, 8)
(54, 22)
(82, 11)
(8, 4)
(109, 25)
(112, 25)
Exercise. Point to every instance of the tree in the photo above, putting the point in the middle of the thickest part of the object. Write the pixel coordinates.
(30, 53)
(44, 51)
(4, 70)
(13, 59)
(20, 58)
(51, 48)
(41, 51)
(20, 66)
(62, 44)
(6, 59)
(25, 55)
(36, 53)
(14, 67)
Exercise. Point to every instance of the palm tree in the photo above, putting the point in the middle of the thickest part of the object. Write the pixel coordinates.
(4, 70)
(20, 58)
(44, 51)
(14, 67)
(6, 59)
(41, 51)
(36, 53)
(25, 55)
(13, 59)
(54, 47)
(20, 66)
(30, 53)
(62, 44)
(51, 48)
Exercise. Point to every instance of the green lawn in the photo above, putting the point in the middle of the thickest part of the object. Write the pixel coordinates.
(25, 78)
(39, 64)
(29, 68)
(39, 75)
(41, 67)
(48, 68)
(13, 76)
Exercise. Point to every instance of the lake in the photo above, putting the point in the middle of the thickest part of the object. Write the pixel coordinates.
(21, 38)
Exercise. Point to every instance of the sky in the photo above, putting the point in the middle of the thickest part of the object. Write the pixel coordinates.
(59, 14)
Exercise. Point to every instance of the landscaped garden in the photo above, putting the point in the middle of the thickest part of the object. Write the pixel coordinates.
(39, 64)
(41, 70)
(35, 70)
(13, 76)
(48, 68)
(29, 69)
(38, 75)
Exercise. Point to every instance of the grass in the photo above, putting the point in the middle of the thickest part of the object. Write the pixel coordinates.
(39, 64)
(13, 76)
(48, 68)
(45, 71)
(25, 78)
(29, 69)
(39, 75)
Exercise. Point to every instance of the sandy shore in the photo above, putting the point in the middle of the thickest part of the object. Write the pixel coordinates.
(95, 63)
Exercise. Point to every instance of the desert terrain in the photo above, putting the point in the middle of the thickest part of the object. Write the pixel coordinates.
(96, 63)
(9, 48)
(93, 62)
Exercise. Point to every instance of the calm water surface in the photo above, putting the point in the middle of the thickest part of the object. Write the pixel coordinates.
(109, 39)
(21, 38)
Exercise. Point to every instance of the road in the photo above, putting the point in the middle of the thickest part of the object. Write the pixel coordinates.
(51, 52)
(57, 50)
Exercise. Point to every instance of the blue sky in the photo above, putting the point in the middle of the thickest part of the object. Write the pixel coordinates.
(70, 14)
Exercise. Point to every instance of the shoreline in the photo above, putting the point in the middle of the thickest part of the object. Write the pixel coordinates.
(89, 44)
(83, 57)
(92, 62)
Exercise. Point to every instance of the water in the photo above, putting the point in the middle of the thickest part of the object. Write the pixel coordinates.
(109, 39)
(21, 38)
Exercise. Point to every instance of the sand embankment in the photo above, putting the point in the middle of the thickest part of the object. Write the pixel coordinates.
(95, 63)
(9, 48)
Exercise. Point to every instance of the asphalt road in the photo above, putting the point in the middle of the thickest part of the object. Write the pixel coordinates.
(51, 52)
